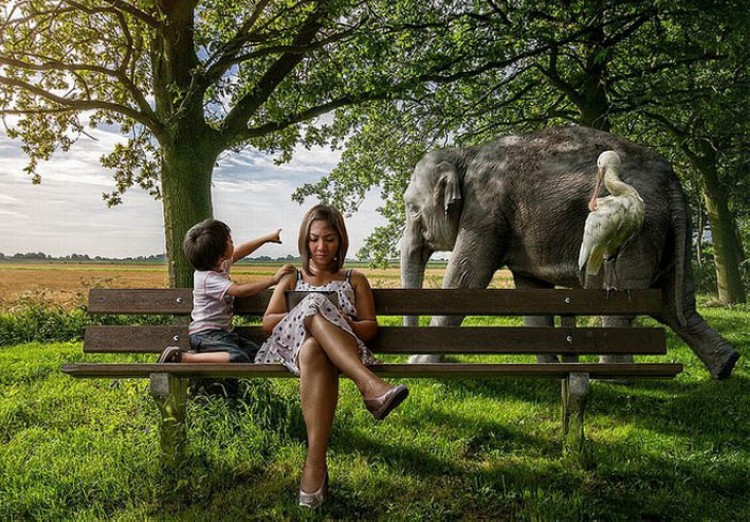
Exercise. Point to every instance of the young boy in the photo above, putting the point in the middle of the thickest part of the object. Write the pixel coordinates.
(209, 247)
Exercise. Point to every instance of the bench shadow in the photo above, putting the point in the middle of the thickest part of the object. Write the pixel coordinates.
(711, 413)
(535, 390)
(483, 437)
(712, 410)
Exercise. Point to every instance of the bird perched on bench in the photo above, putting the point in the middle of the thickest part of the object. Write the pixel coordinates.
(612, 222)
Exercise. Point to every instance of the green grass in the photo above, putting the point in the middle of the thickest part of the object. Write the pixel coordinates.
(456, 449)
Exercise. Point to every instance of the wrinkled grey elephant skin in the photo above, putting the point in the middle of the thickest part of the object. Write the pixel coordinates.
(520, 202)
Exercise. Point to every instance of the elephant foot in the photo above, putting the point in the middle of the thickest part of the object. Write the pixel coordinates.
(724, 365)
(425, 359)
(616, 359)
(546, 359)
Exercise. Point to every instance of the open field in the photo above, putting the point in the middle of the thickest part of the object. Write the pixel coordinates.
(458, 449)
(67, 284)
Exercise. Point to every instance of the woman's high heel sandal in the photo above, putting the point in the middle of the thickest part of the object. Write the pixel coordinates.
(381, 406)
(315, 499)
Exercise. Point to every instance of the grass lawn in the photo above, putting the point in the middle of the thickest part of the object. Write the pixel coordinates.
(456, 449)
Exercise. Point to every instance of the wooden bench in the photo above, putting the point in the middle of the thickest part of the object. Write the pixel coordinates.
(169, 381)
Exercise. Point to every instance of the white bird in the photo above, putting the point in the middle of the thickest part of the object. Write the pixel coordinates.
(613, 220)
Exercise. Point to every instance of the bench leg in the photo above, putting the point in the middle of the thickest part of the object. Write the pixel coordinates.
(170, 394)
(575, 391)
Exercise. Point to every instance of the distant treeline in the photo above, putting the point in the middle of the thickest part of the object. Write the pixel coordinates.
(161, 258)
(41, 256)
(156, 258)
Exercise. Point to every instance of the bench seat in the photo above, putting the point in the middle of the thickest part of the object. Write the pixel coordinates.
(442, 370)
(567, 340)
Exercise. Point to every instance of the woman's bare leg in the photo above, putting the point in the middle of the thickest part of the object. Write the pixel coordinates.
(319, 390)
(342, 351)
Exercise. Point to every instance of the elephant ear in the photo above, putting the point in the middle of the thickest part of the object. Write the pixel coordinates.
(450, 185)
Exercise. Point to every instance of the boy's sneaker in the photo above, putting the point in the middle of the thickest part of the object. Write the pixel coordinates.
(172, 354)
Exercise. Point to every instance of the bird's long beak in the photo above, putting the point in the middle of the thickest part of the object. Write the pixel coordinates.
(597, 189)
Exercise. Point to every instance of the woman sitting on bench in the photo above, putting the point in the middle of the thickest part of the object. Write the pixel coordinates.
(317, 339)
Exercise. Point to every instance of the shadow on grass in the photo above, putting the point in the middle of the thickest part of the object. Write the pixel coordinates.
(714, 411)
(500, 467)
(532, 390)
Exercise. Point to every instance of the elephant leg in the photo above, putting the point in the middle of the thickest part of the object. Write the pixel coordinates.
(522, 281)
(611, 281)
(612, 321)
(433, 358)
(470, 266)
(716, 353)
(631, 269)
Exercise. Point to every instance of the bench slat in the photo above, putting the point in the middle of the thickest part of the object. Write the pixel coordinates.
(595, 370)
(393, 301)
(178, 301)
(515, 302)
(408, 340)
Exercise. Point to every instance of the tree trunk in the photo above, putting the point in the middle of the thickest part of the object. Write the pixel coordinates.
(186, 191)
(728, 278)
(595, 105)
(723, 226)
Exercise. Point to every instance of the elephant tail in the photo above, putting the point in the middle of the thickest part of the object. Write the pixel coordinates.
(680, 216)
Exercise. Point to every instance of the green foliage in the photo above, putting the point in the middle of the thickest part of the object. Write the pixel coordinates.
(187, 82)
(39, 319)
(456, 449)
(36, 319)
(643, 70)
(704, 277)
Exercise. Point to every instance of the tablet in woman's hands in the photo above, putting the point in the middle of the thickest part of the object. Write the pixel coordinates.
(294, 297)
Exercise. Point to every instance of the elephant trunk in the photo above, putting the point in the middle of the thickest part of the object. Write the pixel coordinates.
(414, 256)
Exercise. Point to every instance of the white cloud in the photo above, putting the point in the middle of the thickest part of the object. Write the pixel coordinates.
(65, 214)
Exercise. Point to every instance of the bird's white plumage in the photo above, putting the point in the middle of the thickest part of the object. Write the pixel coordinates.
(614, 219)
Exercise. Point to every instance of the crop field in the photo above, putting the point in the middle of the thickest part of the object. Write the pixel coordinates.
(67, 284)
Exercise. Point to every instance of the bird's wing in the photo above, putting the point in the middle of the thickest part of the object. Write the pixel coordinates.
(603, 229)
(591, 253)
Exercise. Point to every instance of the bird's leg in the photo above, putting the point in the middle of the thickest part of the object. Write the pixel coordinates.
(610, 275)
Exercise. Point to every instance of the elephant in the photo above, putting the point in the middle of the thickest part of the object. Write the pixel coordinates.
(521, 202)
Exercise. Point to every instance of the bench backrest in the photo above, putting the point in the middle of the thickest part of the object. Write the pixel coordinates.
(566, 339)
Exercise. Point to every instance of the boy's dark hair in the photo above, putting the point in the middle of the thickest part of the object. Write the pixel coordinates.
(205, 243)
(333, 217)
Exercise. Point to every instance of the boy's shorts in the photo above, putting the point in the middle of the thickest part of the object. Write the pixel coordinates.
(240, 350)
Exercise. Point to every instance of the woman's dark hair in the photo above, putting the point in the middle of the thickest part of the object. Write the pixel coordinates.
(334, 218)
(205, 243)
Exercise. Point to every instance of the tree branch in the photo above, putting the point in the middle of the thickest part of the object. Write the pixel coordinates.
(637, 73)
(554, 77)
(230, 49)
(84, 105)
(54, 65)
(236, 121)
(136, 13)
(217, 70)
(308, 114)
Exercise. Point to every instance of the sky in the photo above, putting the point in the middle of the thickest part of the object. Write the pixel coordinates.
(66, 214)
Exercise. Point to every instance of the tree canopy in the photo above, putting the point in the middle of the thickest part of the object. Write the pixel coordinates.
(385, 81)
(669, 75)
(186, 81)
